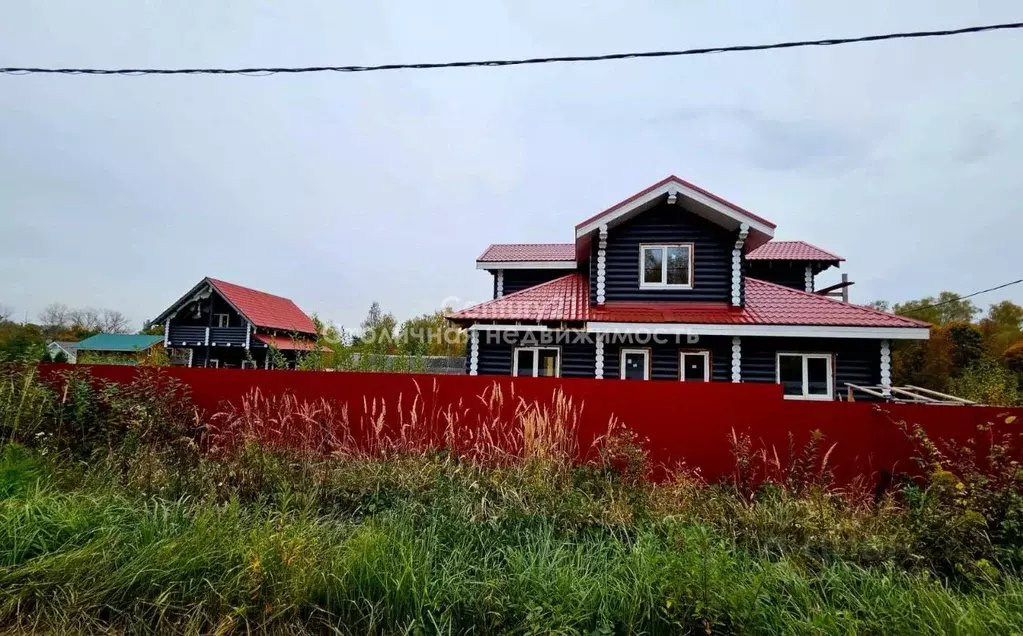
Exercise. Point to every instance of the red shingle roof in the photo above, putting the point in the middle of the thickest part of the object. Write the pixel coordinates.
(790, 251)
(265, 310)
(568, 299)
(528, 252)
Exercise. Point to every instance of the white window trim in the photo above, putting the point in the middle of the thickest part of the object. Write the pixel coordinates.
(536, 361)
(646, 362)
(806, 356)
(682, 364)
(249, 364)
(664, 284)
(213, 363)
(226, 319)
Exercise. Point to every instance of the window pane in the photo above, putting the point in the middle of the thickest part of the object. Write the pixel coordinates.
(525, 360)
(678, 265)
(817, 376)
(652, 264)
(790, 372)
(694, 367)
(548, 366)
(635, 366)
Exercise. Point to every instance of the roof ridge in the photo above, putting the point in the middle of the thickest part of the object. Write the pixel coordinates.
(867, 310)
(251, 289)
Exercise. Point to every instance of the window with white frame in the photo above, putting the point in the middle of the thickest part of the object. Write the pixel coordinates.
(666, 266)
(249, 364)
(536, 362)
(694, 366)
(222, 320)
(805, 376)
(635, 364)
(213, 363)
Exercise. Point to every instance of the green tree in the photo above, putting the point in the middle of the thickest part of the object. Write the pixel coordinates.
(431, 335)
(378, 331)
(947, 307)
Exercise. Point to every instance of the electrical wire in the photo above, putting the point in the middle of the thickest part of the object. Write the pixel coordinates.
(27, 70)
(958, 298)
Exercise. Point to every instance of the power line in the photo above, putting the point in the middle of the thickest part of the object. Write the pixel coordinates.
(16, 70)
(958, 298)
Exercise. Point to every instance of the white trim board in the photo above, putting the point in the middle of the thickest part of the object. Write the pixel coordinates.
(483, 327)
(526, 265)
(780, 331)
(668, 188)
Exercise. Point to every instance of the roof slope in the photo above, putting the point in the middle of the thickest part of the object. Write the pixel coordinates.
(568, 299)
(790, 251)
(118, 342)
(263, 309)
(505, 252)
(673, 179)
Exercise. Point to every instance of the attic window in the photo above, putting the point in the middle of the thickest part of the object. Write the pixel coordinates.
(666, 266)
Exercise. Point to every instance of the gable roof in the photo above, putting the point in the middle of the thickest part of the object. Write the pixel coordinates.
(528, 252)
(263, 309)
(69, 346)
(701, 203)
(567, 299)
(118, 342)
(791, 251)
(260, 308)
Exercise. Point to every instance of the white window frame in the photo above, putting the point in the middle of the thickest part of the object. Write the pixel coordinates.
(223, 320)
(249, 364)
(536, 361)
(807, 356)
(646, 362)
(213, 363)
(664, 284)
(705, 354)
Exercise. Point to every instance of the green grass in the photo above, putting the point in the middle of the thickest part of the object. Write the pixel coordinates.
(445, 557)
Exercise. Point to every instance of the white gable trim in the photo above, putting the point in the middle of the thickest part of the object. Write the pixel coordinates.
(674, 188)
(778, 331)
(525, 264)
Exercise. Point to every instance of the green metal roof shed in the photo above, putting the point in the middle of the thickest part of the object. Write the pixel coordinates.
(118, 342)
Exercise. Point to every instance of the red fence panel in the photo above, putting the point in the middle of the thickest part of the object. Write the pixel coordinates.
(677, 422)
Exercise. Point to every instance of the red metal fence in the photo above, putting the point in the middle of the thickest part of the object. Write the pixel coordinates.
(677, 422)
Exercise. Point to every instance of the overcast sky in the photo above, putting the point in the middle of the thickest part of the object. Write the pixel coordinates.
(337, 190)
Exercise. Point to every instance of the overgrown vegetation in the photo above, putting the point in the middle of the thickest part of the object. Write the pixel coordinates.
(123, 508)
(980, 360)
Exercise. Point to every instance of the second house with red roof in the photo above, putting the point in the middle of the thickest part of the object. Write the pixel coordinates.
(676, 283)
(220, 324)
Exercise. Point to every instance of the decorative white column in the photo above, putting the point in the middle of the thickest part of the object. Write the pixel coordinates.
(809, 279)
(500, 283)
(248, 335)
(886, 369)
(166, 333)
(474, 352)
(736, 359)
(737, 265)
(598, 358)
(207, 343)
(601, 264)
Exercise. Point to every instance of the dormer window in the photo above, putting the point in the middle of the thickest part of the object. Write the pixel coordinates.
(666, 266)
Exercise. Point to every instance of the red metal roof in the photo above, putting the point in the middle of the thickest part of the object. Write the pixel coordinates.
(664, 182)
(790, 251)
(265, 310)
(287, 343)
(568, 299)
(504, 252)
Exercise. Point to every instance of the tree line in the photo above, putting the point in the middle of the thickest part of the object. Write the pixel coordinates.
(57, 321)
(973, 354)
